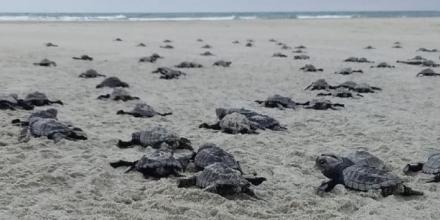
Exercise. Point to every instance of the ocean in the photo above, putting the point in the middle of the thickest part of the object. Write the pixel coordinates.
(70, 17)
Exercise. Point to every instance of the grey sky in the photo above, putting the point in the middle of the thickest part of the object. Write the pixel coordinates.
(211, 5)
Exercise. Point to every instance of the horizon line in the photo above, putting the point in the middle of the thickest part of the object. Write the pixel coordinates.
(161, 12)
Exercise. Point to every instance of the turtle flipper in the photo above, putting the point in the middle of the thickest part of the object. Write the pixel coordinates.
(436, 179)
(324, 94)
(259, 101)
(413, 168)
(255, 180)
(326, 187)
(187, 182)
(407, 191)
(25, 135)
(25, 105)
(122, 163)
(165, 114)
(125, 144)
(56, 102)
(101, 97)
(215, 126)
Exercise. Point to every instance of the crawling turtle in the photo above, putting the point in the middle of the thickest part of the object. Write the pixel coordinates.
(222, 63)
(301, 47)
(364, 158)
(48, 113)
(369, 47)
(200, 40)
(427, 72)
(156, 137)
(167, 41)
(341, 170)
(118, 39)
(167, 47)
(83, 57)
(40, 99)
(207, 53)
(281, 55)
(249, 44)
(359, 87)
(210, 153)
(118, 94)
(319, 84)
(397, 46)
(273, 40)
(323, 104)
(277, 101)
(142, 110)
(348, 71)
(235, 42)
(311, 68)
(358, 60)
(11, 102)
(141, 45)
(206, 46)
(46, 63)
(285, 47)
(233, 123)
(431, 166)
(160, 163)
(301, 57)
(91, 73)
(223, 180)
(150, 59)
(189, 65)
(419, 60)
(168, 73)
(298, 51)
(51, 45)
(112, 82)
(383, 65)
(427, 50)
(340, 93)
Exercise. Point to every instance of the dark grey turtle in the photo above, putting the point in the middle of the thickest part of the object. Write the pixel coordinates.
(207, 53)
(51, 45)
(167, 47)
(419, 60)
(285, 47)
(40, 99)
(323, 104)
(369, 47)
(249, 44)
(12, 102)
(168, 73)
(319, 84)
(383, 65)
(118, 94)
(46, 63)
(427, 72)
(301, 47)
(301, 57)
(151, 59)
(311, 68)
(431, 166)
(223, 180)
(280, 44)
(281, 102)
(273, 40)
(91, 73)
(206, 46)
(189, 65)
(397, 46)
(83, 57)
(118, 39)
(298, 51)
(427, 50)
(200, 40)
(233, 123)
(160, 163)
(250, 40)
(167, 41)
(281, 55)
(210, 153)
(235, 42)
(364, 158)
(48, 113)
(359, 87)
(348, 71)
(112, 82)
(343, 171)
(143, 110)
(141, 45)
(222, 63)
(340, 93)
(156, 137)
(358, 60)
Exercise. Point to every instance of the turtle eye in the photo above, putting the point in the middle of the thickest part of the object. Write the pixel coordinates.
(322, 161)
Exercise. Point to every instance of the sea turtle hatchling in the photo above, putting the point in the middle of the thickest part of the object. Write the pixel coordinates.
(278, 101)
(112, 82)
(323, 104)
(427, 50)
(420, 61)
(46, 63)
(142, 110)
(167, 47)
(206, 46)
(234, 123)
(319, 84)
(47, 113)
(340, 93)
(167, 41)
(49, 44)
(301, 57)
(311, 68)
(222, 63)
(427, 72)
(118, 39)
(383, 65)
(141, 45)
(286, 47)
(369, 47)
(348, 71)
(207, 53)
(221, 179)
(91, 73)
(12, 102)
(280, 55)
(358, 87)
(83, 57)
(40, 99)
(150, 59)
(189, 65)
(209, 153)
(358, 60)
(168, 73)
(431, 166)
(301, 47)
(341, 170)
(155, 137)
(118, 94)
(249, 44)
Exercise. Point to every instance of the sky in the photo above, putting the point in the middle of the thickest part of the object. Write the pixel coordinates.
(212, 5)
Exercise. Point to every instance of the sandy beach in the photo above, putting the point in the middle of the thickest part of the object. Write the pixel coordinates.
(73, 180)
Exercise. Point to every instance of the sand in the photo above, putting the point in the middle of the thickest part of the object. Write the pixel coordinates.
(73, 180)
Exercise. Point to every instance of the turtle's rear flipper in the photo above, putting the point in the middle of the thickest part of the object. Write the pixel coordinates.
(407, 191)
(256, 180)
(215, 126)
(18, 122)
(413, 168)
(125, 144)
(436, 179)
(103, 96)
(259, 101)
(122, 163)
(56, 102)
(188, 182)
(165, 114)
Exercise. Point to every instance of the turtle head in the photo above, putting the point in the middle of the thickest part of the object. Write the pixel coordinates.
(329, 164)
(220, 112)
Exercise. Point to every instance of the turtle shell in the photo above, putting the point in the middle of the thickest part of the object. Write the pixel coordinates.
(160, 163)
(235, 123)
(364, 158)
(10, 98)
(365, 178)
(221, 174)
(155, 137)
(144, 109)
(36, 96)
(112, 82)
(210, 153)
(276, 100)
(432, 166)
(46, 127)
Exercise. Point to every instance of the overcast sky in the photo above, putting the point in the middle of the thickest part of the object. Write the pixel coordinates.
(212, 5)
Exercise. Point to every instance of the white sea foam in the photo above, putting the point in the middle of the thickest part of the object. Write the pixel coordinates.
(324, 16)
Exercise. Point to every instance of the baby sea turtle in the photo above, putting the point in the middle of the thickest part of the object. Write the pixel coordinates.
(91, 73)
(298, 51)
(160, 163)
(311, 68)
(156, 137)
(364, 158)
(301, 47)
(51, 45)
(151, 59)
(427, 50)
(272, 40)
(235, 42)
(40, 99)
(249, 44)
(397, 46)
(323, 104)
(118, 39)
(48, 113)
(141, 45)
(207, 53)
(383, 65)
(167, 41)
(431, 166)
(358, 60)
(342, 170)
(112, 82)
(359, 87)
(168, 73)
(369, 47)
(233, 123)
(206, 46)
(281, 55)
(11, 102)
(285, 47)
(200, 40)
(189, 65)
(427, 72)
(83, 57)
(143, 110)
(118, 94)
(221, 179)
(210, 153)
(319, 84)
(258, 120)
(419, 60)
(281, 102)
(46, 63)
(340, 93)
(348, 71)
(167, 47)
(222, 63)
(301, 57)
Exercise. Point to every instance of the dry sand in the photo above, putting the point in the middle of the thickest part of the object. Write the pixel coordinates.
(73, 180)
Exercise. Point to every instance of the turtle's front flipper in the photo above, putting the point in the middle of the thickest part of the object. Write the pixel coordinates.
(101, 97)
(407, 191)
(125, 144)
(188, 182)
(250, 193)
(326, 187)
(20, 123)
(25, 135)
(123, 163)
(255, 180)
(77, 134)
(259, 101)
(413, 168)
(165, 114)
(324, 94)
(215, 126)
(56, 102)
